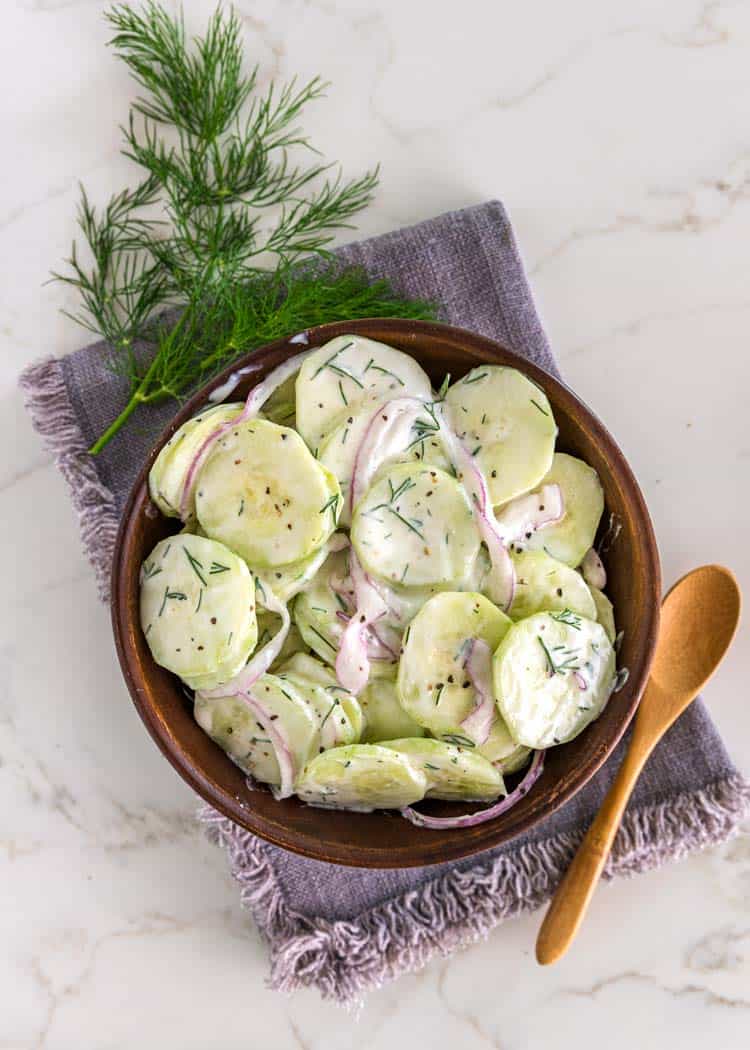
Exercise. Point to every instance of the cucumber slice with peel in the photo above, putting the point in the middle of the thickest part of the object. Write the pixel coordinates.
(544, 584)
(502, 750)
(166, 478)
(321, 614)
(553, 673)
(452, 772)
(361, 777)
(286, 581)
(197, 607)
(263, 494)
(433, 684)
(385, 718)
(583, 499)
(336, 379)
(415, 527)
(231, 722)
(507, 419)
(331, 708)
(306, 668)
(338, 453)
(605, 613)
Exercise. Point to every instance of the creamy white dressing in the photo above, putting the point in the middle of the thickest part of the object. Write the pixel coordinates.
(221, 393)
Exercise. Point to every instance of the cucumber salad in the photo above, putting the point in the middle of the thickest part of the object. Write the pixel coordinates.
(382, 593)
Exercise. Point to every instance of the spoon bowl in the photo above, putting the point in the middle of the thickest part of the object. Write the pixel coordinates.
(699, 618)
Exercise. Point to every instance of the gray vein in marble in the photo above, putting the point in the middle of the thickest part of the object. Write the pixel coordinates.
(687, 991)
(635, 325)
(21, 475)
(719, 951)
(704, 32)
(730, 192)
(468, 1019)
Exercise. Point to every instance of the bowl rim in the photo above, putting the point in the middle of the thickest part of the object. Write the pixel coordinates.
(276, 832)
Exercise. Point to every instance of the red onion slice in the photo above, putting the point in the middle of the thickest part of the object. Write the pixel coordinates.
(470, 820)
(255, 401)
(279, 742)
(593, 570)
(387, 434)
(523, 516)
(260, 661)
(501, 579)
(478, 666)
(352, 660)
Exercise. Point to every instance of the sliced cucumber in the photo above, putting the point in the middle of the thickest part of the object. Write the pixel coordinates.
(318, 612)
(361, 777)
(231, 724)
(197, 606)
(306, 666)
(452, 772)
(315, 608)
(433, 685)
(339, 451)
(508, 420)
(292, 716)
(263, 494)
(312, 670)
(335, 725)
(288, 580)
(415, 527)
(501, 749)
(583, 499)
(385, 718)
(553, 674)
(281, 405)
(605, 613)
(336, 379)
(544, 584)
(268, 626)
(166, 478)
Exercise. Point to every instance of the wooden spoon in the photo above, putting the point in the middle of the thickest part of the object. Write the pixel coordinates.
(698, 621)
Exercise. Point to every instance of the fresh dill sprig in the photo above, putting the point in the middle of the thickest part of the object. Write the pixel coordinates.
(218, 196)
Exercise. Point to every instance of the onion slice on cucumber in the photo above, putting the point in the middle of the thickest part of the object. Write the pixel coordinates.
(391, 424)
(478, 666)
(353, 661)
(255, 401)
(525, 515)
(501, 580)
(593, 570)
(387, 434)
(279, 742)
(262, 660)
(470, 820)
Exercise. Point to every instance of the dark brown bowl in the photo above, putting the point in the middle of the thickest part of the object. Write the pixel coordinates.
(382, 840)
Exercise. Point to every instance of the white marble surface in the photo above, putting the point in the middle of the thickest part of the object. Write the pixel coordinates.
(619, 137)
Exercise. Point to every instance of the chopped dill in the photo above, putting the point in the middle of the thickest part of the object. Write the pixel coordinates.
(195, 565)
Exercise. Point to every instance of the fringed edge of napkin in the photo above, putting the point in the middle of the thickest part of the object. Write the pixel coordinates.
(47, 401)
(346, 958)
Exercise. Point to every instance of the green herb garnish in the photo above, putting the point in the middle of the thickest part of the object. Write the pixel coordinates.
(458, 740)
(568, 617)
(332, 505)
(217, 193)
(195, 565)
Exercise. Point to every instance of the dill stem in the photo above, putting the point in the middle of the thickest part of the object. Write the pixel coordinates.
(138, 397)
(135, 400)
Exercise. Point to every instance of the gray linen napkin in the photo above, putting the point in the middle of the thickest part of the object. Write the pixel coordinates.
(345, 930)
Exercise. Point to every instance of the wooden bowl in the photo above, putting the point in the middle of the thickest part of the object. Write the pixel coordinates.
(383, 840)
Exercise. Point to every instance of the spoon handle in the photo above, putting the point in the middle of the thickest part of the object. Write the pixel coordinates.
(568, 906)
